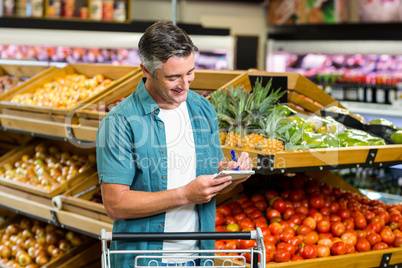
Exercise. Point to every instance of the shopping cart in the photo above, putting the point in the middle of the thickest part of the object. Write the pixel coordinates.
(257, 254)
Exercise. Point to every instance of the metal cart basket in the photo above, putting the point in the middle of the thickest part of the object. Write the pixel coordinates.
(257, 254)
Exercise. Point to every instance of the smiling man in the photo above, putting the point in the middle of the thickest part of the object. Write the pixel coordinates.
(157, 151)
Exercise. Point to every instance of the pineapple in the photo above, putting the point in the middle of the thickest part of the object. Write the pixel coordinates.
(240, 113)
(222, 137)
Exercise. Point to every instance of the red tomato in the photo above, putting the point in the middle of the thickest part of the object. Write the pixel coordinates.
(246, 223)
(361, 233)
(286, 246)
(325, 211)
(317, 216)
(270, 239)
(265, 231)
(269, 194)
(338, 248)
(311, 238)
(297, 258)
(261, 205)
(255, 214)
(380, 245)
(310, 222)
(296, 242)
(296, 195)
(219, 244)
(337, 228)
(250, 209)
(326, 190)
(398, 242)
(350, 249)
(316, 202)
(242, 199)
(325, 241)
(323, 251)
(219, 219)
(289, 204)
(247, 203)
(378, 219)
(334, 207)
(288, 213)
(323, 226)
(334, 217)
(231, 244)
(237, 210)
(257, 197)
(303, 230)
(285, 225)
(224, 210)
(272, 213)
(240, 216)
(337, 192)
(296, 219)
(369, 215)
(343, 213)
(363, 245)
(349, 239)
(282, 255)
(308, 251)
(360, 222)
(285, 194)
(260, 219)
(301, 210)
(229, 220)
(387, 236)
(261, 224)
(275, 228)
(349, 223)
(279, 205)
(220, 228)
(373, 238)
(287, 234)
(374, 226)
(246, 244)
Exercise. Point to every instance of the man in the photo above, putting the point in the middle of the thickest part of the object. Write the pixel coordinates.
(157, 150)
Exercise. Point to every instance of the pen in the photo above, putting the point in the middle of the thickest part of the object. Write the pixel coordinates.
(233, 154)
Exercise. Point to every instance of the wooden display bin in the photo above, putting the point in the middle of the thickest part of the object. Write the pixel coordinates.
(78, 256)
(53, 121)
(78, 199)
(206, 81)
(43, 193)
(31, 72)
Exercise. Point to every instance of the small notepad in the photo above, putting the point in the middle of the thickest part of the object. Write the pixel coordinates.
(236, 174)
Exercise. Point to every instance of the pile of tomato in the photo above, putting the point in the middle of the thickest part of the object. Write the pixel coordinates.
(309, 219)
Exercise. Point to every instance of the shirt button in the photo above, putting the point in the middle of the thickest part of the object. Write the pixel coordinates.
(156, 111)
(163, 151)
(102, 176)
(159, 249)
(160, 126)
(160, 225)
(163, 177)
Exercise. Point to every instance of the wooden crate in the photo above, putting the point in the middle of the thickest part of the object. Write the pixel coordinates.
(362, 260)
(79, 256)
(32, 72)
(81, 204)
(61, 115)
(16, 154)
(90, 117)
(205, 81)
(303, 95)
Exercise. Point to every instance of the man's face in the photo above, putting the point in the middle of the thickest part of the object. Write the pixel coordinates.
(170, 86)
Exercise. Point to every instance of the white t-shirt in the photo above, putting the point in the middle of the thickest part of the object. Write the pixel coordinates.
(181, 170)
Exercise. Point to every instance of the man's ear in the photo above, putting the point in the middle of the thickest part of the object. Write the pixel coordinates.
(145, 71)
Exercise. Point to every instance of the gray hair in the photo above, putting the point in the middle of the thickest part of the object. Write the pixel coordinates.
(161, 41)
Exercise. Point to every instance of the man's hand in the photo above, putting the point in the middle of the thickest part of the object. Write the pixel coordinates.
(243, 162)
(203, 188)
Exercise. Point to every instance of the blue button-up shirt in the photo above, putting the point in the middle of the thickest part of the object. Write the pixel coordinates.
(131, 150)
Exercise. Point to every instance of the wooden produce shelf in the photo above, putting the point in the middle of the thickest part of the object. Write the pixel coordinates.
(303, 95)
(320, 159)
(375, 258)
(78, 200)
(42, 208)
(57, 121)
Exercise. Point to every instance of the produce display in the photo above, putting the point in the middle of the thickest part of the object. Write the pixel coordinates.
(256, 120)
(46, 166)
(8, 82)
(306, 219)
(32, 243)
(64, 92)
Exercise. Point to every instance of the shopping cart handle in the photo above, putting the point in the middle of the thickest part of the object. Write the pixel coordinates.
(181, 236)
